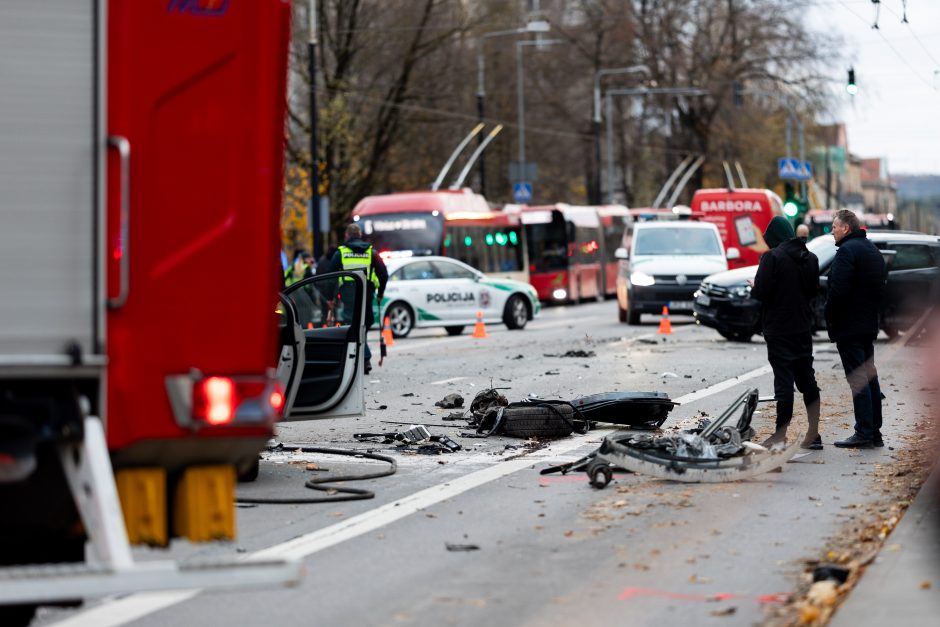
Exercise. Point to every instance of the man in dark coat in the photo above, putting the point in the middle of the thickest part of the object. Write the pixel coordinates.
(856, 288)
(358, 254)
(786, 283)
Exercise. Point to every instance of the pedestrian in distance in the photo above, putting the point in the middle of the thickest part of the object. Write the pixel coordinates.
(857, 281)
(357, 254)
(786, 283)
(323, 263)
(802, 232)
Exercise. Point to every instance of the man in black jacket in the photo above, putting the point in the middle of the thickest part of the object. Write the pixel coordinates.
(856, 288)
(787, 280)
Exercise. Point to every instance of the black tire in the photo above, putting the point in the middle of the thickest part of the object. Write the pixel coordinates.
(516, 313)
(250, 473)
(537, 422)
(401, 319)
(633, 316)
(736, 336)
(17, 615)
(454, 330)
(621, 314)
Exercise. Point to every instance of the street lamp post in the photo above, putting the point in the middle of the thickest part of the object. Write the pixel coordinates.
(313, 217)
(643, 91)
(596, 122)
(520, 96)
(535, 26)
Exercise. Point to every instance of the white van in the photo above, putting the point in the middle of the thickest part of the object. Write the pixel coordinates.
(664, 265)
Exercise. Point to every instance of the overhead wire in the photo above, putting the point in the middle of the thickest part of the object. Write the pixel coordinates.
(897, 53)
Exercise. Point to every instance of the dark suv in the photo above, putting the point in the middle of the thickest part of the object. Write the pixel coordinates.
(723, 300)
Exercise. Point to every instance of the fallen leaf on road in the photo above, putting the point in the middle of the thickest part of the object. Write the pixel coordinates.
(728, 611)
(569, 533)
(925, 585)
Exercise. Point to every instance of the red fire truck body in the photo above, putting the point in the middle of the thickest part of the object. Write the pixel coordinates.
(141, 154)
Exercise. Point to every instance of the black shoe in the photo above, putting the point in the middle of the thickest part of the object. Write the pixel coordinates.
(368, 367)
(815, 445)
(854, 441)
(877, 441)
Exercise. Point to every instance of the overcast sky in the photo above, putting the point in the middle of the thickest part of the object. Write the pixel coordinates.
(896, 113)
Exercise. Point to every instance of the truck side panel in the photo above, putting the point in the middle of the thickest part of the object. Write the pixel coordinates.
(190, 86)
(48, 157)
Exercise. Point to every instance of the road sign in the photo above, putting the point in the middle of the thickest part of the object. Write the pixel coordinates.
(522, 191)
(788, 168)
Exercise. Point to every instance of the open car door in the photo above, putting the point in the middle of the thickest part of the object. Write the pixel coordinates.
(322, 335)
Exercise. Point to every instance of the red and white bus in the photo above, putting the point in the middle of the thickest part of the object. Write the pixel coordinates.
(741, 216)
(453, 223)
(570, 249)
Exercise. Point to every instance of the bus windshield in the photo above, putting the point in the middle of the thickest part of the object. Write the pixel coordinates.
(676, 241)
(418, 232)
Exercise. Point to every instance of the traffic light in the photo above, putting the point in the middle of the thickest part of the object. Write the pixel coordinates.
(850, 86)
(791, 204)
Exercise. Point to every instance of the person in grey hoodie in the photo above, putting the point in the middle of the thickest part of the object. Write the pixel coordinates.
(786, 283)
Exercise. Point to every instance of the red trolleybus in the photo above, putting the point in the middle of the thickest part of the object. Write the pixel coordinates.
(564, 246)
(453, 223)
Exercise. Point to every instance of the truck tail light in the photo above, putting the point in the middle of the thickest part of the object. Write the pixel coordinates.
(227, 400)
(215, 400)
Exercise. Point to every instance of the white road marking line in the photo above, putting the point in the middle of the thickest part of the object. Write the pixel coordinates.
(133, 607)
(724, 385)
(451, 380)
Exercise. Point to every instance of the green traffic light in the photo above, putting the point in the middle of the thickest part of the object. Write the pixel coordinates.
(790, 208)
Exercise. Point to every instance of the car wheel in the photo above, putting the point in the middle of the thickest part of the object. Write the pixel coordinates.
(633, 317)
(401, 319)
(453, 330)
(250, 473)
(621, 314)
(736, 336)
(516, 313)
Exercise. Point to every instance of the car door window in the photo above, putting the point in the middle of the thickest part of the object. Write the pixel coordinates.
(418, 271)
(448, 270)
(911, 257)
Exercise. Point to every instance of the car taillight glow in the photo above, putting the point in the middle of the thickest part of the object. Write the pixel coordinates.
(276, 399)
(215, 400)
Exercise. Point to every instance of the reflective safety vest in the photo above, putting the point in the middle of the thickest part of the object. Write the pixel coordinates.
(353, 260)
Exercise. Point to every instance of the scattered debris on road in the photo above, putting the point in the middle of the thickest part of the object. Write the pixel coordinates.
(640, 410)
(461, 547)
(534, 418)
(571, 353)
(451, 401)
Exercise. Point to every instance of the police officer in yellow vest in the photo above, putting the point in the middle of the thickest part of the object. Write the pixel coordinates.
(357, 254)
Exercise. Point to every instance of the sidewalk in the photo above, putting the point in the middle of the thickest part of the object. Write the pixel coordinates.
(890, 591)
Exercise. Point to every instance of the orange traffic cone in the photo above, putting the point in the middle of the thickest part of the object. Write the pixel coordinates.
(387, 332)
(665, 327)
(479, 329)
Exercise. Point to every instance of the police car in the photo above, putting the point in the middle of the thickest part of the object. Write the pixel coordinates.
(444, 292)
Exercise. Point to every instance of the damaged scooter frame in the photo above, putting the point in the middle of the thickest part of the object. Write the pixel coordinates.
(723, 452)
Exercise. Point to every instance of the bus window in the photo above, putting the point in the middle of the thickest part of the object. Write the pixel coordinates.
(548, 248)
(418, 232)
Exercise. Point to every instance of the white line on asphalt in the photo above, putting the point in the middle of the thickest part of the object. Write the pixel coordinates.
(451, 380)
(724, 385)
(115, 613)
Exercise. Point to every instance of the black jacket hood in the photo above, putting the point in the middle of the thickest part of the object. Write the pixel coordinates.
(796, 249)
(778, 231)
(358, 245)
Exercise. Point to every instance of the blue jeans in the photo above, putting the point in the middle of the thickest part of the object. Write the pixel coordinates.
(858, 361)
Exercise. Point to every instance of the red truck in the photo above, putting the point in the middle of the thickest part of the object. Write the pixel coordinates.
(142, 367)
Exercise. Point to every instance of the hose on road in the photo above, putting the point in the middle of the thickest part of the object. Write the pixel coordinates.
(336, 493)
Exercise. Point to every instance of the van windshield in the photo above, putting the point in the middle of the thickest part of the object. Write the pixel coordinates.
(676, 241)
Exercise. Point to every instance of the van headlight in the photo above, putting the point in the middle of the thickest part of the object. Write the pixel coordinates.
(741, 291)
(641, 279)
